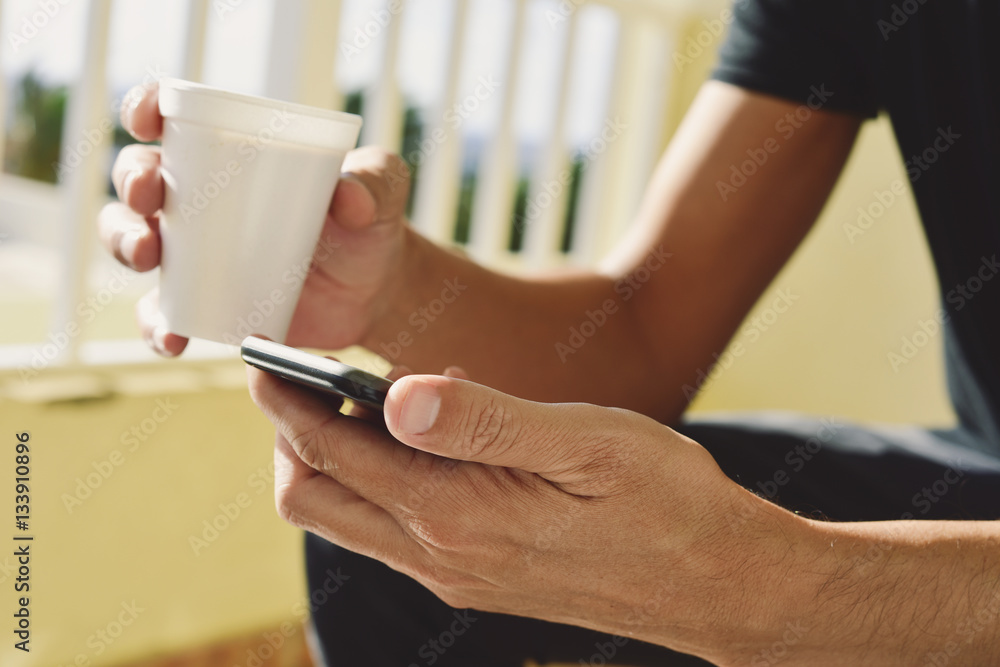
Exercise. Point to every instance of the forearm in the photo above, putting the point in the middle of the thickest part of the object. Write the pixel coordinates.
(549, 339)
(559, 338)
(879, 593)
(908, 593)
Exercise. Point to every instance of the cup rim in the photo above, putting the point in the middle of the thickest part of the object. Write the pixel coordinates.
(183, 86)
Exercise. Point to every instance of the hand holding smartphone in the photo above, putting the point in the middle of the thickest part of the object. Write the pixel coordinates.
(315, 372)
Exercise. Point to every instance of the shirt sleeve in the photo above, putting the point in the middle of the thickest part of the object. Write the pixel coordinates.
(793, 48)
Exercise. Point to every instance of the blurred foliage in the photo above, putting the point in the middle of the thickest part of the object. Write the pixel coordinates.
(413, 133)
(579, 164)
(463, 217)
(520, 220)
(354, 103)
(516, 242)
(34, 133)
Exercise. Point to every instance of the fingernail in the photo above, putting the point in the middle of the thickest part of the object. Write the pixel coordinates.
(129, 105)
(127, 183)
(129, 243)
(420, 409)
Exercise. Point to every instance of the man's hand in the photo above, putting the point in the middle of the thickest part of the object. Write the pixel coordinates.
(571, 513)
(605, 519)
(358, 268)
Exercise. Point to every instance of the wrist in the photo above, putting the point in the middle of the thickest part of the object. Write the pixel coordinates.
(775, 614)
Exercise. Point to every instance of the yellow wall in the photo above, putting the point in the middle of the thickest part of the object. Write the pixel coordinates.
(129, 541)
(857, 298)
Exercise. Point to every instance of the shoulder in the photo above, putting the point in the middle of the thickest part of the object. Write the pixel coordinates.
(786, 48)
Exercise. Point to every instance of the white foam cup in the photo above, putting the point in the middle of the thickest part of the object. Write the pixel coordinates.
(248, 184)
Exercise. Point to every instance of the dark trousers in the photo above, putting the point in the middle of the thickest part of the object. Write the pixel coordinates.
(825, 468)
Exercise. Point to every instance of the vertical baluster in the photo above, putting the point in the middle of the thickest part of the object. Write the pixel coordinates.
(319, 54)
(194, 46)
(383, 102)
(302, 52)
(3, 100)
(544, 231)
(441, 176)
(494, 202)
(83, 186)
(615, 180)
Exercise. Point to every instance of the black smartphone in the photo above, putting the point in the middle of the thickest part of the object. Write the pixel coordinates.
(315, 372)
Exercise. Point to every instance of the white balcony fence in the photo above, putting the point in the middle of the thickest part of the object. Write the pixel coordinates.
(638, 108)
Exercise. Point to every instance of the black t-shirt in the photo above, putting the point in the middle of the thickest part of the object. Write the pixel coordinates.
(934, 67)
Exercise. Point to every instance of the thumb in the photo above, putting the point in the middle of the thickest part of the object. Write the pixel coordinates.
(374, 187)
(462, 420)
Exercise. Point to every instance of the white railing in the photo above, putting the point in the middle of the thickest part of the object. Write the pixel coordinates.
(303, 50)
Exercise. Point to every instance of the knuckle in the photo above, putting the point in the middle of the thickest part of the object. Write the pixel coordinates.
(489, 429)
(388, 175)
(372, 159)
(394, 163)
(448, 540)
(313, 445)
(426, 480)
(288, 504)
(439, 537)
